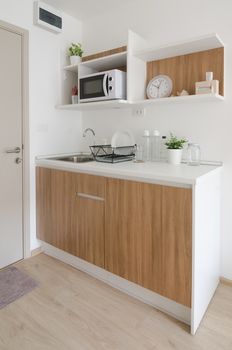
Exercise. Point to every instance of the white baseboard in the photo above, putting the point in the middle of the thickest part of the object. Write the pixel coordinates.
(226, 281)
(178, 311)
(36, 251)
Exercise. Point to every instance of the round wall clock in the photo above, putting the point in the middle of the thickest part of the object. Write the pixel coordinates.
(159, 86)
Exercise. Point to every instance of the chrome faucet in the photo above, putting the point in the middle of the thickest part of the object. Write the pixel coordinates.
(87, 130)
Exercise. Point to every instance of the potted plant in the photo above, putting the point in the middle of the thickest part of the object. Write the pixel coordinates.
(74, 95)
(75, 53)
(175, 148)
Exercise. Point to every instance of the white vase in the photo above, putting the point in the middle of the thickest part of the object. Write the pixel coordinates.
(74, 99)
(75, 60)
(174, 156)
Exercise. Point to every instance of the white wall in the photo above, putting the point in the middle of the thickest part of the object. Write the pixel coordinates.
(51, 130)
(54, 131)
(209, 124)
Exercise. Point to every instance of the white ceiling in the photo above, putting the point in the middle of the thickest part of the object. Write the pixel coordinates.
(85, 9)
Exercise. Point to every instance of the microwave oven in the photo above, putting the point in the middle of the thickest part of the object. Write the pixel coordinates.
(109, 85)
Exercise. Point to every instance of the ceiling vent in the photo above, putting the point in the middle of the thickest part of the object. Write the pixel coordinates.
(47, 17)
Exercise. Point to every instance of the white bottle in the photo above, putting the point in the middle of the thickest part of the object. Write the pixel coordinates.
(163, 149)
(146, 146)
(155, 147)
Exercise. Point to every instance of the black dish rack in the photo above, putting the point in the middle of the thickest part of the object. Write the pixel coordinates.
(109, 154)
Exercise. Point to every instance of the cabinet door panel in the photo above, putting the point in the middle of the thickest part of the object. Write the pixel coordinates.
(91, 184)
(55, 199)
(177, 244)
(43, 205)
(133, 231)
(89, 221)
(90, 216)
(62, 210)
(68, 221)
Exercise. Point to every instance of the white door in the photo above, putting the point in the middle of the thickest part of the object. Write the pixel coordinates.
(11, 216)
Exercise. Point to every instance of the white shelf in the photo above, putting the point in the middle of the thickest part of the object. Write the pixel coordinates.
(180, 99)
(122, 104)
(107, 62)
(99, 64)
(207, 42)
(88, 106)
(73, 68)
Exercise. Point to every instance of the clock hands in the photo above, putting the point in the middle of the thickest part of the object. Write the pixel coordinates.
(158, 87)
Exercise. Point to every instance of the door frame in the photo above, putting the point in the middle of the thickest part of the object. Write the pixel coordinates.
(25, 133)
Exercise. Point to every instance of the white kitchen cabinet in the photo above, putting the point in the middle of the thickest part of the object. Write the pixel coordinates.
(201, 185)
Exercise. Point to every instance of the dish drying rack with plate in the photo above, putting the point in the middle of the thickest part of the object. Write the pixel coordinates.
(109, 154)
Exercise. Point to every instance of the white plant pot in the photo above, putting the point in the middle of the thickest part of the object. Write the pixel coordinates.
(74, 99)
(174, 156)
(75, 60)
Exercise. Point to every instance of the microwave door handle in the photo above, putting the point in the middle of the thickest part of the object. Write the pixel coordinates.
(105, 85)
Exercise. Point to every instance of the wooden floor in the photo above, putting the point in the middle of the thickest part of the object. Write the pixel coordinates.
(70, 310)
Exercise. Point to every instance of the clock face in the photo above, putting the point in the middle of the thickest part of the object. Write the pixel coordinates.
(160, 86)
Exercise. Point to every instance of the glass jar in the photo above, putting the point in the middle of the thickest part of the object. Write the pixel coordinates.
(139, 154)
(193, 154)
(155, 146)
(146, 146)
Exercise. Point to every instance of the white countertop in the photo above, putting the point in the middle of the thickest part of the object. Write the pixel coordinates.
(146, 172)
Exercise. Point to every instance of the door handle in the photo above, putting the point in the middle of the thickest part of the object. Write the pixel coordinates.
(18, 160)
(89, 196)
(14, 150)
(105, 85)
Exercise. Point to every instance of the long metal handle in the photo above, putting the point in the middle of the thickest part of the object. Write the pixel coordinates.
(105, 79)
(89, 196)
(14, 150)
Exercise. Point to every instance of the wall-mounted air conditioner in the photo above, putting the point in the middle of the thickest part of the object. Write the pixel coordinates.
(47, 17)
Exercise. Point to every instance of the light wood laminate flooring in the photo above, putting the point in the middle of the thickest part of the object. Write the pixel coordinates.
(73, 311)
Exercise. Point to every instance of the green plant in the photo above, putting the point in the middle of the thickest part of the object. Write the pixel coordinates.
(175, 143)
(75, 50)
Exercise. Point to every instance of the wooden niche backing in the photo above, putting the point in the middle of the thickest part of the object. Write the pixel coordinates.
(185, 70)
(107, 53)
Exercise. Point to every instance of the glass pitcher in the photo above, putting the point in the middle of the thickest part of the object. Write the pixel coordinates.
(193, 154)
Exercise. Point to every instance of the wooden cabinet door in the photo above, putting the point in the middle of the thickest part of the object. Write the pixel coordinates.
(133, 232)
(177, 244)
(148, 236)
(55, 200)
(43, 205)
(71, 213)
(89, 221)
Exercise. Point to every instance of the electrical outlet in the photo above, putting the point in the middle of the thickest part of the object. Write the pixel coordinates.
(139, 112)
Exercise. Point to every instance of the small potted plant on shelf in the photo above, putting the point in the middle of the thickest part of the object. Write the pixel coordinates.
(175, 148)
(75, 53)
(74, 94)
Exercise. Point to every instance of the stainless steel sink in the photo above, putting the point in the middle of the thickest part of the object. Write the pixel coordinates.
(75, 158)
